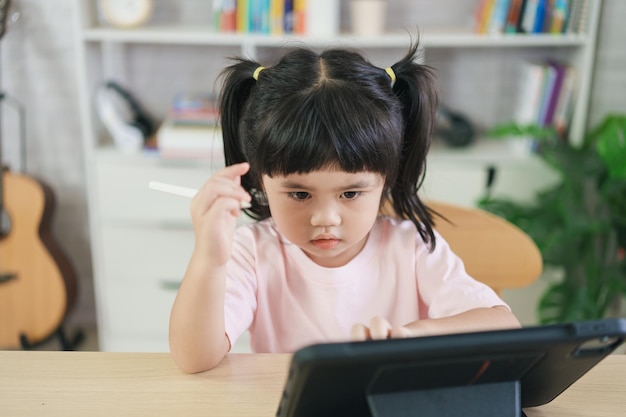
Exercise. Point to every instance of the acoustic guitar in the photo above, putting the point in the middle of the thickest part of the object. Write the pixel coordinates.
(37, 281)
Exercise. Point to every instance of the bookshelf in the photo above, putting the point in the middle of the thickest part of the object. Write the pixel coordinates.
(141, 240)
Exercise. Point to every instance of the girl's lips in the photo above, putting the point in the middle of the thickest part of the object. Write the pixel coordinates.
(325, 244)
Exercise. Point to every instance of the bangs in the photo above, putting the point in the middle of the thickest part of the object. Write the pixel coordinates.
(331, 125)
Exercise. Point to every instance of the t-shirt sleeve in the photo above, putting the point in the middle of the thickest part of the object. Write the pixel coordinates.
(241, 285)
(444, 286)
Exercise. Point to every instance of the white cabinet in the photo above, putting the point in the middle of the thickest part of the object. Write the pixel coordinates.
(141, 240)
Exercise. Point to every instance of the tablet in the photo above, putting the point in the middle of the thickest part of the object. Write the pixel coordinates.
(492, 373)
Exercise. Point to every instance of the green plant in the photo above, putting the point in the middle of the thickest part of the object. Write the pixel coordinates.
(579, 224)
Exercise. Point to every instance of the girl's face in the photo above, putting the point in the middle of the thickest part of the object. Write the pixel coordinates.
(327, 213)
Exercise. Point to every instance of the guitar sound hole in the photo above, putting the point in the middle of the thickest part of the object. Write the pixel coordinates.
(6, 277)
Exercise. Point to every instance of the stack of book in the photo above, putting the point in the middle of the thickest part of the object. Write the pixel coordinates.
(277, 17)
(190, 129)
(531, 16)
(547, 93)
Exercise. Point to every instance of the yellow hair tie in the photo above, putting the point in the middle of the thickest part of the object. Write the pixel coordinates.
(256, 73)
(391, 74)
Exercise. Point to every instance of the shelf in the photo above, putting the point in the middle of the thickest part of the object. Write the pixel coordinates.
(430, 39)
(483, 151)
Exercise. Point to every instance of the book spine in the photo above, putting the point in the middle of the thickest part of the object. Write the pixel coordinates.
(530, 12)
(564, 107)
(243, 16)
(559, 15)
(498, 17)
(299, 16)
(539, 16)
(513, 16)
(483, 15)
(277, 16)
(546, 88)
(583, 17)
(529, 100)
(554, 93)
(288, 16)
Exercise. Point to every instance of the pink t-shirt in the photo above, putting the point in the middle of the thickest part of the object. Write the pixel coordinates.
(287, 301)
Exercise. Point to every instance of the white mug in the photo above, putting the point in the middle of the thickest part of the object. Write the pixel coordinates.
(367, 17)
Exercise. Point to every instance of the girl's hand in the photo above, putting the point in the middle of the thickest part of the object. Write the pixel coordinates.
(214, 212)
(378, 329)
(475, 320)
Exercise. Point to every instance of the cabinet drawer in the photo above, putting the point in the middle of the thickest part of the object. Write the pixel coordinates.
(139, 309)
(133, 343)
(123, 192)
(145, 254)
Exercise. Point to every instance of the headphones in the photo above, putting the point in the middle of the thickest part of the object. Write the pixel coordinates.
(123, 117)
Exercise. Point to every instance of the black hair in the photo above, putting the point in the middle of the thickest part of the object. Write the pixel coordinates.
(333, 109)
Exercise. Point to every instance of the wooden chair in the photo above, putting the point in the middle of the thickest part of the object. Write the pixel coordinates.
(494, 250)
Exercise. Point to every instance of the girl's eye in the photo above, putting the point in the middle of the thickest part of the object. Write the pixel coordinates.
(351, 195)
(299, 195)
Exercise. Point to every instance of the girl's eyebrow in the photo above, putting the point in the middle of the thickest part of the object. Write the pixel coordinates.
(297, 186)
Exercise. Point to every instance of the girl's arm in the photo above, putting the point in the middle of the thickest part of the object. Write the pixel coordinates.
(197, 334)
(479, 319)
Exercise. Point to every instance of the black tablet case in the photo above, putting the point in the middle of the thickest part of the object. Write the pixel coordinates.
(493, 373)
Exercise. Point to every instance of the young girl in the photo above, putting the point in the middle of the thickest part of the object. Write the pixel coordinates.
(317, 143)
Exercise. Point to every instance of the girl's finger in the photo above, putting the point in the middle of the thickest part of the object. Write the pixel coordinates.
(359, 333)
(217, 187)
(234, 171)
(400, 333)
(379, 328)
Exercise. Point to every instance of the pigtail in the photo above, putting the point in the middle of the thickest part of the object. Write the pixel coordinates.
(238, 86)
(415, 88)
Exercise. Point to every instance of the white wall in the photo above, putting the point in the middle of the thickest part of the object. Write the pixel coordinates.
(38, 68)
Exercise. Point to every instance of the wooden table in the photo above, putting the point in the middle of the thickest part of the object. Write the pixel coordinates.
(67, 384)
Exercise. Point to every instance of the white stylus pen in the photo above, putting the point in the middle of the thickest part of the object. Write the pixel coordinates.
(181, 191)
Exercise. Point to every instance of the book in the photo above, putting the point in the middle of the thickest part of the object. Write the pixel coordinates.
(277, 17)
(528, 105)
(224, 13)
(578, 16)
(565, 103)
(300, 16)
(259, 16)
(559, 14)
(189, 141)
(540, 16)
(548, 12)
(583, 17)
(516, 10)
(553, 93)
(243, 16)
(528, 19)
(289, 17)
(498, 17)
(483, 15)
(194, 109)
(549, 79)
(531, 89)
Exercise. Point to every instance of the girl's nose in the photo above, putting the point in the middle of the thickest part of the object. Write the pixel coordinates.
(325, 215)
